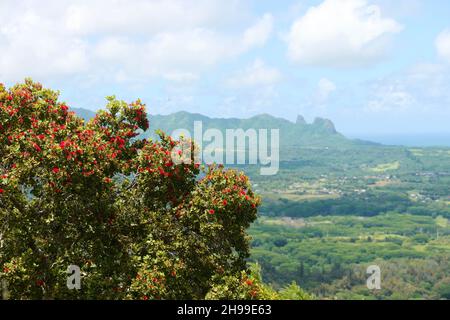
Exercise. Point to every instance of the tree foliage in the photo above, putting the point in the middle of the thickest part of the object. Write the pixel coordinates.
(92, 194)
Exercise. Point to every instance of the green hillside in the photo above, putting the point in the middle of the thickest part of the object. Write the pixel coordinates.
(321, 132)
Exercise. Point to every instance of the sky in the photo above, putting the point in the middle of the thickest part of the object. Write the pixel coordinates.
(371, 66)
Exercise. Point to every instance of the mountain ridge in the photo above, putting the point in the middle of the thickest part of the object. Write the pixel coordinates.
(320, 132)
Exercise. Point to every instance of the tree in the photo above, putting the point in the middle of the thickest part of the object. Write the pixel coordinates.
(96, 196)
(443, 288)
(294, 292)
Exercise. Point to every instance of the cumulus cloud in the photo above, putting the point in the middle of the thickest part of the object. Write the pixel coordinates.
(132, 39)
(340, 33)
(257, 74)
(125, 17)
(443, 45)
(30, 42)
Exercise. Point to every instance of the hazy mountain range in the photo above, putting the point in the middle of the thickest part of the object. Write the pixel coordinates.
(321, 132)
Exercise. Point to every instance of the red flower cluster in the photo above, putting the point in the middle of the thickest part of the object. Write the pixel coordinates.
(40, 283)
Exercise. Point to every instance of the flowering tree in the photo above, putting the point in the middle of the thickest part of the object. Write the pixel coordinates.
(94, 195)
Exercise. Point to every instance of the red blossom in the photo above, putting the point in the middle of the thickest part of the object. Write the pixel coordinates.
(55, 170)
(211, 211)
(37, 147)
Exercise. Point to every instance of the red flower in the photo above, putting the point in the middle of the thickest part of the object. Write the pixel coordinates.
(211, 211)
(41, 137)
(9, 97)
(55, 170)
(40, 283)
(225, 202)
(249, 282)
(36, 147)
(64, 108)
(145, 298)
(1, 191)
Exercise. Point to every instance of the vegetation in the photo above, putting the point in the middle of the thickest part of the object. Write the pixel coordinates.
(328, 256)
(337, 206)
(92, 195)
(332, 212)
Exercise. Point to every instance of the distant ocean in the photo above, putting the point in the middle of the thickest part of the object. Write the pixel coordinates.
(411, 140)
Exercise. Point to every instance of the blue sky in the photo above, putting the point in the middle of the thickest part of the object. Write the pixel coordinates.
(373, 67)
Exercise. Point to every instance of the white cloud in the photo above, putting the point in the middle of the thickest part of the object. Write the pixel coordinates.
(422, 88)
(390, 97)
(257, 74)
(181, 77)
(325, 88)
(124, 40)
(145, 17)
(443, 45)
(31, 44)
(340, 33)
(258, 34)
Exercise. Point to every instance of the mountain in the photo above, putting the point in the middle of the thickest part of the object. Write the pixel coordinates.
(83, 113)
(320, 133)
